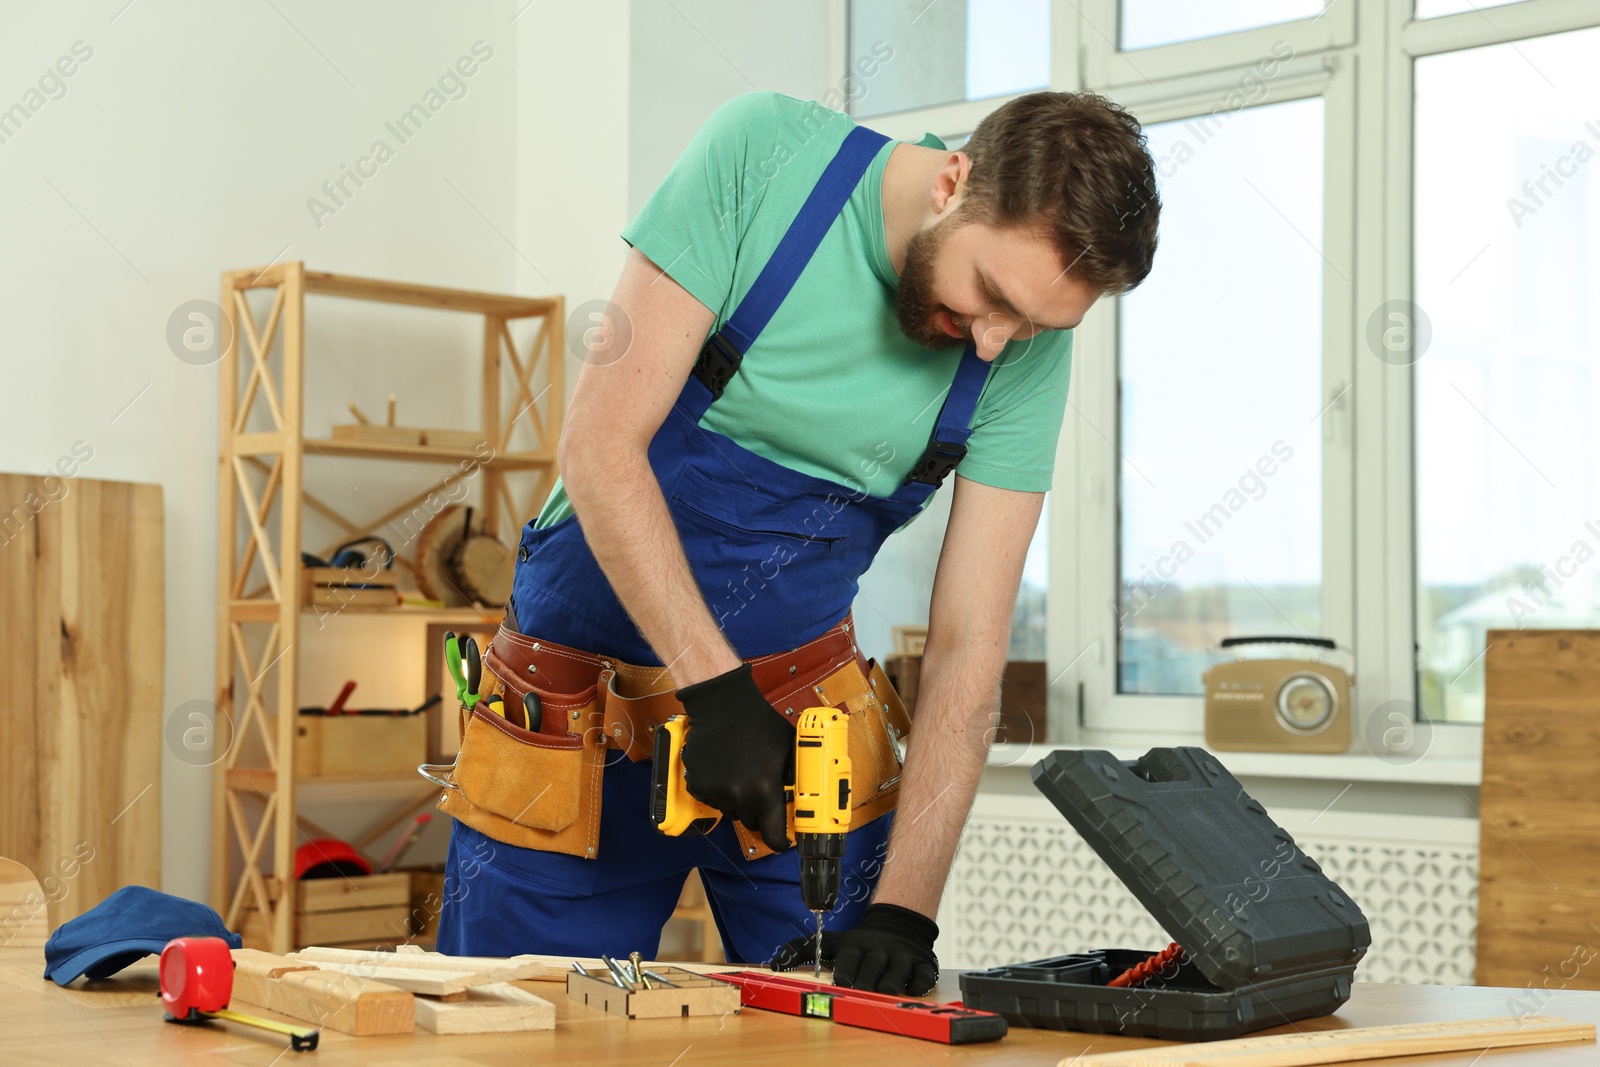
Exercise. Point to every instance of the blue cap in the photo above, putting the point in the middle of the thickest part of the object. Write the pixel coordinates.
(130, 924)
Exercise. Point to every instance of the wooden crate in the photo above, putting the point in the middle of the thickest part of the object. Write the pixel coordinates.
(348, 587)
(690, 994)
(359, 746)
(360, 912)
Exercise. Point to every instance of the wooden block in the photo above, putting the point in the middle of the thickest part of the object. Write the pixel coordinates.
(253, 970)
(460, 439)
(355, 746)
(369, 434)
(351, 1005)
(690, 994)
(495, 1008)
(503, 970)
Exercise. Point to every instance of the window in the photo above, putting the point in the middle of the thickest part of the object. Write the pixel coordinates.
(1507, 219)
(1148, 23)
(933, 52)
(1221, 365)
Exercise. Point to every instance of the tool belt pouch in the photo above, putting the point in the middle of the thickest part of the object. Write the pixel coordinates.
(879, 726)
(532, 790)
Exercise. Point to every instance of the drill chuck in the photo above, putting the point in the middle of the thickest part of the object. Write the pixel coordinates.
(821, 867)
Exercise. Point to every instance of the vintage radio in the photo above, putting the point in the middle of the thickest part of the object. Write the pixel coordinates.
(1278, 705)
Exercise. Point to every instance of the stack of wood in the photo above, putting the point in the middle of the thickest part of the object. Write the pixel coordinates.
(366, 993)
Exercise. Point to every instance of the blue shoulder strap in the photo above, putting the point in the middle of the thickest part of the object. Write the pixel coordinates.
(950, 432)
(723, 350)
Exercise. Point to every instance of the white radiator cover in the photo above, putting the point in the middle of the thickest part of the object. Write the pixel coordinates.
(1025, 886)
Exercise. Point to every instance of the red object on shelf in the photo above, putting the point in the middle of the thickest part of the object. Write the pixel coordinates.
(1143, 972)
(344, 694)
(949, 1024)
(338, 856)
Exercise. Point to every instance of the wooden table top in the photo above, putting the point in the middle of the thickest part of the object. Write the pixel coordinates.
(119, 1021)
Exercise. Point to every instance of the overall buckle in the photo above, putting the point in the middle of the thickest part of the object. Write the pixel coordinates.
(718, 362)
(937, 463)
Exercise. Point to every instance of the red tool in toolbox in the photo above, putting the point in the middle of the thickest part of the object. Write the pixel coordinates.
(949, 1024)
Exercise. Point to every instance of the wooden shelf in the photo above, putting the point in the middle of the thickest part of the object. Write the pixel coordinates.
(447, 616)
(264, 503)
(509, 461)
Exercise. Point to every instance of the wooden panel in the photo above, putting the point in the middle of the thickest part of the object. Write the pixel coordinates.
(83, 655)
(1539, 858)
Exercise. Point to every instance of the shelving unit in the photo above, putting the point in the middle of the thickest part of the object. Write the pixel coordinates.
(262, 502)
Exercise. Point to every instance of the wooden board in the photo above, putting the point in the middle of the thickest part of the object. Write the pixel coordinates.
(373, 434)
(81, 715)
(690, 994)
(1539, 853)
(508, 969)
(1342, 1046)
(468, 439)
(487, 1009)
(434, 983)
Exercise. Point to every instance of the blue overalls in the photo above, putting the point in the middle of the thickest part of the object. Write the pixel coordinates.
(777, 554)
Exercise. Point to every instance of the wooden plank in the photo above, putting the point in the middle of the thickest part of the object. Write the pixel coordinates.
(1309, 1049)
(434, 983)
(351, 1005)
(487, 1009)
(433, 296)
(508, 969)
(82, 720)
(420, 453)
(368, 433)
(1539, 850)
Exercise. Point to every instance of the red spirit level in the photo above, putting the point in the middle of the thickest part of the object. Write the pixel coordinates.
(949, 1024)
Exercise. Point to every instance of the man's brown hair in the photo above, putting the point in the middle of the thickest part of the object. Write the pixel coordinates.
(1074, 166)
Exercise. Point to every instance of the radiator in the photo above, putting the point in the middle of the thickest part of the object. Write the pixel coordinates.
(1025, 886)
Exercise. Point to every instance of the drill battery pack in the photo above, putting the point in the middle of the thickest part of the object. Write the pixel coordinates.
(1267, 937)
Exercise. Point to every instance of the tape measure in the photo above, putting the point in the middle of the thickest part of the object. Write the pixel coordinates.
(197, 983)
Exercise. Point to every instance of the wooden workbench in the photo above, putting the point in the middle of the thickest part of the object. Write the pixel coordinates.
(118, 1021)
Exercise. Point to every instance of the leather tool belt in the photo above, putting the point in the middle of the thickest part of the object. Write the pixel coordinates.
(542, 790)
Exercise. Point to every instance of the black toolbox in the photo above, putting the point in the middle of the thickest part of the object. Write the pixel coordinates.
(1267, 937)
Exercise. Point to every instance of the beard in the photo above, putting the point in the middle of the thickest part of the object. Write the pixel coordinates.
(914, 302)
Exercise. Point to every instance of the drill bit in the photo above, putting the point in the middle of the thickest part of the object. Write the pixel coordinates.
(818, 943)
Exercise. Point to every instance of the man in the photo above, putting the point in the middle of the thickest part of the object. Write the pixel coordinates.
(816, 325)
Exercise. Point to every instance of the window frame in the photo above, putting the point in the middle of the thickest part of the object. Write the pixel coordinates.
(1094, 415)
(1359, 56)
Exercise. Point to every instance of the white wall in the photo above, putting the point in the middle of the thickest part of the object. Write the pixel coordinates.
(190, 141)
(188, 144)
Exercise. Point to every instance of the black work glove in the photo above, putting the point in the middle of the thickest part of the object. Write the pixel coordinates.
(739, 753)
(889, 950)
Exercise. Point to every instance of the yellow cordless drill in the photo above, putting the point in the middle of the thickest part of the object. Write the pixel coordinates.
(819, 801)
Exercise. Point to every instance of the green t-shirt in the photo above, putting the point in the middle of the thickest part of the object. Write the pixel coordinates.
(831, 388)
